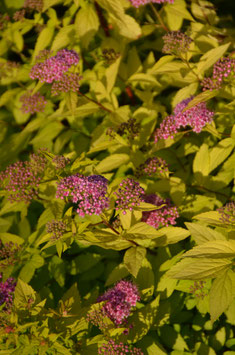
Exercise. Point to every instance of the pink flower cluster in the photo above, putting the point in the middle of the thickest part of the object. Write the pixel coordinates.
(7, 289)
(22, 179)
(53, 68)
(119, 301)
(138, 3)
(88, 192)
(34, 5)
(56, 228)
(223, 73)
(152, 166)
(129, 195)
(111, 348)
(33, 103)
(164, 216)
(227, 213)
(68, 82)
(196, 117)
(176, 42)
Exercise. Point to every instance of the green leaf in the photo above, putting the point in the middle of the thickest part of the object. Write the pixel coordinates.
(210, 57)
(18, 40)
(64, 37)
(201, 163)
(176, 13)
(222, 294)
(220, 152)
(171, 235)
(133, 258)
(118, 273)
(43, 40)
(184, 93)
(213, 249)
(9, 237)
(202, 97)
(86, 24)
(127, 26)
(23, 293)
(146, 280)
(199, 269)
(212, 217)
(143, 320)
(112, 162)
(111, 75)
(57, 270)
(142, 230)
(27, 272)
(72, 299)
(202, 234)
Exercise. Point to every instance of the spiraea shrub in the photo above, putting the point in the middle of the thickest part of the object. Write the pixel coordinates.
(117, 205)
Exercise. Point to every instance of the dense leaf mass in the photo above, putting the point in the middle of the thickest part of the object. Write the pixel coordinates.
(117, 155)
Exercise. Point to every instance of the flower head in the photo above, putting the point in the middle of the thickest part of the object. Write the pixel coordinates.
(119, 301)
(7, 289)
(227, 213)
(129, 195)
(223, 73)
(8, 254)
(34, 5)
(176, 42)
(138, 3)
(164, 216)
(118, 349)
(33, 103)
(60, 162)
(56, 228)
(152, 166)
(53, 68)
(68, 82)
(198, 289)
(196, 117)
(21, 179)
(88, 192)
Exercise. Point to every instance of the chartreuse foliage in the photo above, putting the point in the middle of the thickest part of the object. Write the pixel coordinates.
(175, 236)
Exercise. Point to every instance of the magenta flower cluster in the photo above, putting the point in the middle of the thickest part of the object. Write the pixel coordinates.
(138, 3)
(176, 42)
(89, 193)
(223, 73)
(227, 213)
(68, 82)
(7, 289)
(111, 348)
(129, 195)
(22, 179)
(196, 117)
(33, 103)
(56, 228)
(119, 301)
(53, 68)
(152, 166)
(162, 217)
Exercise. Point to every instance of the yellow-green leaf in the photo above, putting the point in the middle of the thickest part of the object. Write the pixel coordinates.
(210, 57)
(133, 258)
(221, 294)
(112, 162)
(199, 269)
(213, 249)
